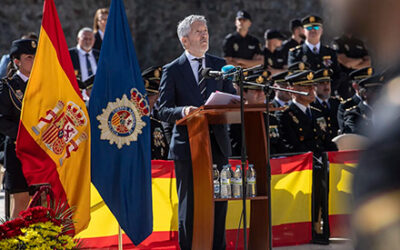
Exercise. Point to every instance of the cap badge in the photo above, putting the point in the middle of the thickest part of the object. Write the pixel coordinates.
(369, 72)
(33, 44)
(312, 19)
(310, 76)
(301, 66)
(260, 79)
(265, 74)
(326, 73)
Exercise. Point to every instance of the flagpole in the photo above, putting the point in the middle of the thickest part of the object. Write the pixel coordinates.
(120, 245)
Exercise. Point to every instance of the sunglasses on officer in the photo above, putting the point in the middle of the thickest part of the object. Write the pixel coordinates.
(315, 27)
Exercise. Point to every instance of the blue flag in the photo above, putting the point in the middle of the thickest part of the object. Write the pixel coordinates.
(120, 128)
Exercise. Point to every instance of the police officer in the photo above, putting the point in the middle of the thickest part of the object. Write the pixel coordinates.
(303, 127)
(297, 38)
(281, 98)
(273, 59)
(159, 144)
(352, 55)
(240, 48)
(356, 76)
(22, 54)
(325, 102)
(358, 119)
(318, 56)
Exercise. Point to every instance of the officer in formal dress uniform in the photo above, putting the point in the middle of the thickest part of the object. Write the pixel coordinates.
(281, 98)
(159, 144)
(304, 128)
(325, 102)
(297, 38)
(314, 53)
(352, 55)
(358, 119)
(356, 76)
(240, 48)
(12, 88)
(273, 59)
(256, 95)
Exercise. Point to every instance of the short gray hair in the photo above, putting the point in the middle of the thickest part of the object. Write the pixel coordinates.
(185, 25)
(85, 29)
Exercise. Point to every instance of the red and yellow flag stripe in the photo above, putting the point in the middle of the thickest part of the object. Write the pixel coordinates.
(291, 209)
(53, 141)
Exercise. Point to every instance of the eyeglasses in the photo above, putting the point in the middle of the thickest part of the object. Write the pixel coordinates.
(316, 27)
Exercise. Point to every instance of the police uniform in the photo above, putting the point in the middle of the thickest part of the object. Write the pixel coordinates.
(236, 46)
(159, 144)
(356, 76)
(350, 47)
(279, 78)
(290, 43)
(324, 58)
(328, 107)
(274, 59)
(307, 131)
(11, 95)
(301, 132)
(358, 119)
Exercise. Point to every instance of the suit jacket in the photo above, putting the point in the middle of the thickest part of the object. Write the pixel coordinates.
(178, 88)
(97, 41)
(74, 53)
(302, 133)
(302, 53)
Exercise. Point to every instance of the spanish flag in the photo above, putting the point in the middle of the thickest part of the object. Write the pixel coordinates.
(53, 142)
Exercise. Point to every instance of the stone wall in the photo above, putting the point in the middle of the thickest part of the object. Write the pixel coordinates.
(153, 22)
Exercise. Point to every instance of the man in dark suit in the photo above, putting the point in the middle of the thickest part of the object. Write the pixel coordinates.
(318, 56)
(182, 90)
(84, 60)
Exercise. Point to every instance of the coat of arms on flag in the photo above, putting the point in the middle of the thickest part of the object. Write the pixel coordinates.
(61, 132)
(121, 122)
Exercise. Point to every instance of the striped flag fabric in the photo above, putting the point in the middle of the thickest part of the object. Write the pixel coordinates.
(53, 142)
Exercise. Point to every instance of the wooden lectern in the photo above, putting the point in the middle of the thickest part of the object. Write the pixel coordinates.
(198, 127)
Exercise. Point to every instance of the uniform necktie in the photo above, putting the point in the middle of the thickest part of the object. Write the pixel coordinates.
(308, 113)
(315, 50)
(325, 105)
(88, 65)
(201, 82)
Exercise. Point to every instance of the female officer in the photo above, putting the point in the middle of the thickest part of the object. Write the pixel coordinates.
(12, 88)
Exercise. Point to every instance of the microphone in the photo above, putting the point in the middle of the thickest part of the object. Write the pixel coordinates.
(226, 72)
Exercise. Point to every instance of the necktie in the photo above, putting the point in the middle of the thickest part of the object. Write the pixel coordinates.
(325, 105)
(88, 65)
(202, 83)
(315, 50)
(308, 113)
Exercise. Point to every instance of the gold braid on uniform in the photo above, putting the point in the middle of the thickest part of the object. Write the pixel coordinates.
(10, 89)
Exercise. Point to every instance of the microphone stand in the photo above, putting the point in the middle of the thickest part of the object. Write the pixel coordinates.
(239, 79)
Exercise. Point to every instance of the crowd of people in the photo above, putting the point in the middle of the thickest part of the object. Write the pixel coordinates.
(339, 81)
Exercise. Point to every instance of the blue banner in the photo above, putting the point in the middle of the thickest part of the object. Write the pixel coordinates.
(120, 129)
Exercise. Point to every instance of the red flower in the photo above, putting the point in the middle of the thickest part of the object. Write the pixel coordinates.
(12, 228)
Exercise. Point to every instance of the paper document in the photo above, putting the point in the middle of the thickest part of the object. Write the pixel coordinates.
(221, 98)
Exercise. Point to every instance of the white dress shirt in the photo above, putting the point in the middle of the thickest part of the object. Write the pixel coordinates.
(82, 62)
(195, 65)
(301, 106)
(311, 46)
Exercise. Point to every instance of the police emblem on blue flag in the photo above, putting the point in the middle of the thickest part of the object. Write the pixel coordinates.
(120, 130)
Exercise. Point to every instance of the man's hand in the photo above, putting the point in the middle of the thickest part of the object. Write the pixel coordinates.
(188, 110)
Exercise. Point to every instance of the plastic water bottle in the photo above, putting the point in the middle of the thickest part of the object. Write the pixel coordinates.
(251, 181)
(216, 182)
(237, 183)
(226, 182)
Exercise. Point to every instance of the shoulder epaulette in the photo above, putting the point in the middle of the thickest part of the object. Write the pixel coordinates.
(297, 47)
(351, 108)
(347, 100)
(337, 98)
(312, 107)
